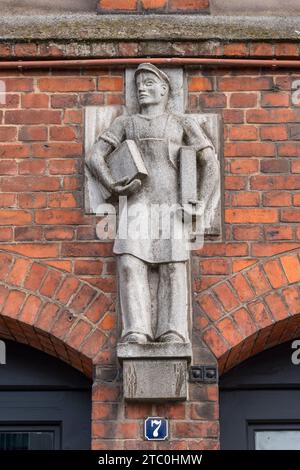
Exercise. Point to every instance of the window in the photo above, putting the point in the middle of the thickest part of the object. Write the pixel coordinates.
(29, 437)
(285, 436)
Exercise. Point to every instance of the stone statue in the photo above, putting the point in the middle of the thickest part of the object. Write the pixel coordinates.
(159, 135)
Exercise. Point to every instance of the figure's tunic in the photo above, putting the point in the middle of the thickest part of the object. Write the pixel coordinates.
(159, 139)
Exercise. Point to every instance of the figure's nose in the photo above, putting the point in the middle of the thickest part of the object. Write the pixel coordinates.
(141, 87)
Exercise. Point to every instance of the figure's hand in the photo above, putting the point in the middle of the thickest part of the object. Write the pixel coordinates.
(194, 208)
(121, 188)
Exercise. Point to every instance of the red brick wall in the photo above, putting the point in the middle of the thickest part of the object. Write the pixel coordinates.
(57, 281)
(249, 286)
(153, 6)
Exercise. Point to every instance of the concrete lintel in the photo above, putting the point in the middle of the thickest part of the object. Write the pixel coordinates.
(89, 27)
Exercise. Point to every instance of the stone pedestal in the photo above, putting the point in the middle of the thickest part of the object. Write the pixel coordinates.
(155, 372)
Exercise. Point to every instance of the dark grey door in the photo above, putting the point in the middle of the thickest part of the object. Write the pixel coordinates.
(44, 403)
(260, 403)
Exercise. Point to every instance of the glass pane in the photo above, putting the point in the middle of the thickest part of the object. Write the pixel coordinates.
(277, 440)
(41, 441)
(31, 440)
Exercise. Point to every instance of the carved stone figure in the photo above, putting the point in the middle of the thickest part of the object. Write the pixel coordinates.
(159, 136)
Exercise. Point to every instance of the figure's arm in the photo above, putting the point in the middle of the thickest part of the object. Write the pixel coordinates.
(207, 159)
(96, 161)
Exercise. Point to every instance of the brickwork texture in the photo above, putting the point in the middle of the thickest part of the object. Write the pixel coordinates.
(58, 281)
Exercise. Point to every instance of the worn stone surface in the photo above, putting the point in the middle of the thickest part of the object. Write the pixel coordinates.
(90, 26)
(35, 7)
(254, 7)
(154, 350)
(155, 380)
(217, 7)
(156, 308)
(178, 96)
(99, 118)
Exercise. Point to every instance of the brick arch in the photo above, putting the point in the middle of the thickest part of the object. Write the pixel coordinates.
(253, 310)
(55, 312)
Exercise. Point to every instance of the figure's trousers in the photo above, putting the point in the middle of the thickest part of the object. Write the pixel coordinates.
(135, 298)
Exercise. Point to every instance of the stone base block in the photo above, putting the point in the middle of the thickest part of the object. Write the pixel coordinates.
(155, 372)
(155, 380)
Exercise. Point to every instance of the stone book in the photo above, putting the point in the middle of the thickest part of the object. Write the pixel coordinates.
(127, 160)
(188, 175)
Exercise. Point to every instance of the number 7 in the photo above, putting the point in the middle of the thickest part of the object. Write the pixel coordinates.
(157, 423)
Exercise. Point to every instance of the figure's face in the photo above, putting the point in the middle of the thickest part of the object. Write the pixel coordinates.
(150, 89)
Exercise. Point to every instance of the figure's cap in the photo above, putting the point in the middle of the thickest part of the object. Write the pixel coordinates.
(147, 67)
